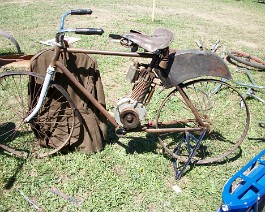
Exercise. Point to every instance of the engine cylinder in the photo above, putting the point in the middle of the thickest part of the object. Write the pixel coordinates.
(142, 86)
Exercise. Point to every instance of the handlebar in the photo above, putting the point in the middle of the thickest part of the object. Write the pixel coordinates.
(51, 69)
(89, 31)
(81, 12)
(83, 31)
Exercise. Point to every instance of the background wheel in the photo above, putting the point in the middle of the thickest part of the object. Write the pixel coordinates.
(12, 39)
(246, 59)
(51, 127)
(222, 109)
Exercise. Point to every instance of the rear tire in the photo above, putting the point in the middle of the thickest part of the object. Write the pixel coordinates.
(222, 109)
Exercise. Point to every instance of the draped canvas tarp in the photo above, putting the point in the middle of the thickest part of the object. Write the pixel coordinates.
(90, 135)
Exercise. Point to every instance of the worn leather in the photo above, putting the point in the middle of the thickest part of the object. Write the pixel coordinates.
(159, 40)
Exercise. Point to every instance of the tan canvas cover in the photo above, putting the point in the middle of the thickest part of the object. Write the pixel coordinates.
(86, 139)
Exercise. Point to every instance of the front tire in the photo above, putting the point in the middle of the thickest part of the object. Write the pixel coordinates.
(51, 127)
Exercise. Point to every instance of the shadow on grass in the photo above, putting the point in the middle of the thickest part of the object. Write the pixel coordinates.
(189, 167)
(10, 53)
(141, 145)
(21, 161)
(147, 143)
(203, 152)
(11, 181)
(257, 139)
(150, 144)
(7, 138)
(8, 133)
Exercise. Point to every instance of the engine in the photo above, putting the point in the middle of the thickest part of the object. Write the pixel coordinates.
(129, 113)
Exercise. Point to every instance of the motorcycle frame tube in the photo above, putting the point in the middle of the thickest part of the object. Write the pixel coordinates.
(102, 109)
(111, 53)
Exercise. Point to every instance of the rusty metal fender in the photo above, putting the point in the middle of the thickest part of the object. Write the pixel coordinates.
(188, 64)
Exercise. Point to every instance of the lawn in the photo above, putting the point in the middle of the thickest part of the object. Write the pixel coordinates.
(131, 173)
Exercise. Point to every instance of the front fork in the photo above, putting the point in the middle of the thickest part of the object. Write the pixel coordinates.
(49, 75)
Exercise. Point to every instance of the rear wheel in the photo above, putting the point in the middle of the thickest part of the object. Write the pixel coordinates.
(51, 127)
(223, 111)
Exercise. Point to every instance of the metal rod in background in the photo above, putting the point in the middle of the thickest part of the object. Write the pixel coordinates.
(29, 201)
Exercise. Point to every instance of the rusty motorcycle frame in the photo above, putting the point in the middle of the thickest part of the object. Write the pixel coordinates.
(194, 122)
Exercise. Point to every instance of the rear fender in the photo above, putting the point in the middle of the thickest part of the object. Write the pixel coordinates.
(188, 64)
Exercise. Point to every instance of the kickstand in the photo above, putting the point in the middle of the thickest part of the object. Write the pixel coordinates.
(179, 170)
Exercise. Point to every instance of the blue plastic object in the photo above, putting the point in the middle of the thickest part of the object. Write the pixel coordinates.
(246, 188)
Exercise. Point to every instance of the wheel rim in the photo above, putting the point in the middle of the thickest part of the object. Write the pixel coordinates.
(220, 106)
(48, 128)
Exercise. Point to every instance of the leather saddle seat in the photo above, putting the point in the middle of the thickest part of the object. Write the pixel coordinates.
(159, 40)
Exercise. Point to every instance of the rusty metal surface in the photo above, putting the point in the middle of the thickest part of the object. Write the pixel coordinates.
(142, 87)
(15, 60)
(129, 118)
(170, 130)
(188, 64)
(112, 53)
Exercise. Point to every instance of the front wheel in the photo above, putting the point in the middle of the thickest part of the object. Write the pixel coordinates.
(51, 127)
(221, 108)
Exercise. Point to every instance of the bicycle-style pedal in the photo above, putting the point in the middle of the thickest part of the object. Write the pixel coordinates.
(120, 132)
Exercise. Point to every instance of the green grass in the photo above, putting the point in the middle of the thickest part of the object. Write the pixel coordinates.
(130, 174)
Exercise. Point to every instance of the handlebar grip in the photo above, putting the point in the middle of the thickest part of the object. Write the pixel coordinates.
(89, 31)
(81, 12)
